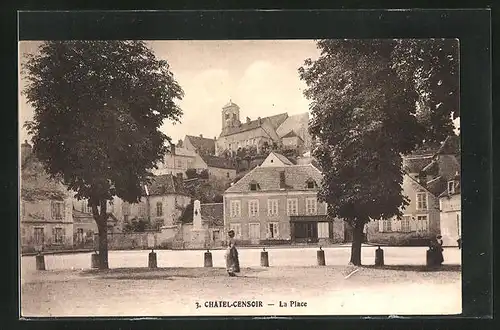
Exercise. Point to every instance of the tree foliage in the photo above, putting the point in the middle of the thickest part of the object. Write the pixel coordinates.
(364, 117)
(98, 107)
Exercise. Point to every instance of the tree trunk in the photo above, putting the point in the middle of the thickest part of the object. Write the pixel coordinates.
(357, 239)
(102, 226)
(103, 244)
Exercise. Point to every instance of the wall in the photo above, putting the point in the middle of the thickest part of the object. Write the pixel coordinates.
(292, 142)
(451, 219)
(262, 217)
(242, 139)
(130, 241)
(272, 161)
(410, 189)
(176, 163)
(170, 206)
(222, 173)
(37, 214)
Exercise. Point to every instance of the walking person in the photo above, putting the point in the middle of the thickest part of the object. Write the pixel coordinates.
(231, 255)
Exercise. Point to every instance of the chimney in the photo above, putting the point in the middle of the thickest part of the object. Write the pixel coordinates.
(248, 120)
(201, 135)
(25, 151)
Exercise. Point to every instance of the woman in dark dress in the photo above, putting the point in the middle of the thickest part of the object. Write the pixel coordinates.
(437, 248)
(232, 262)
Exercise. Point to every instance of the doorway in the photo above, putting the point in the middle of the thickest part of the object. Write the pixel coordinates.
(306, 232)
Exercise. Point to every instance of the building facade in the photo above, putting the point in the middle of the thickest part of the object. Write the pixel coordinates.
(200, 144)
(278, 204)
(451, 216)
(46, 221)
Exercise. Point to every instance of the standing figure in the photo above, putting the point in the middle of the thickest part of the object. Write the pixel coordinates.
(231, 255)
(437, 249)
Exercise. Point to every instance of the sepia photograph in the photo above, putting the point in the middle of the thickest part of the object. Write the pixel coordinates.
(239, 177)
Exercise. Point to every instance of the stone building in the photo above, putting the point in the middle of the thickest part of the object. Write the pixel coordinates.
(451, 217)
(426, 177)
(277, 203)
(46, 220)
(261, 132)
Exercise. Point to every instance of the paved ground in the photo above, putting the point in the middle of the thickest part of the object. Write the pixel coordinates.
(130, 289)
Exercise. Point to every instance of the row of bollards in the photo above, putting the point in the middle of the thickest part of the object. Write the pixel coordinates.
(264, 259)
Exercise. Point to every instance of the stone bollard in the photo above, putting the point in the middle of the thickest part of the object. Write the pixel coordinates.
(264, 258)
(379, 257)
(94, 260)
(207, 260)
(40, 262)
(320, 254)
(152, 259)
(430, 258)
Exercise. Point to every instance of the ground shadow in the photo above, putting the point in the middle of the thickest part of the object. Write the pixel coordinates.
(144, 273)
(418, 268)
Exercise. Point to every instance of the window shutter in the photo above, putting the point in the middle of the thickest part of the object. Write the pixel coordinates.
(268, 231)
(276, 230)
(63, 234)
(53, 235)
(380, 226)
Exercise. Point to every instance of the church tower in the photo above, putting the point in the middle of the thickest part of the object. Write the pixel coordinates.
(230, 115)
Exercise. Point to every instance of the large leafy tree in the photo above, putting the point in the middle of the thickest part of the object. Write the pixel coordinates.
(98, 106)
(364, 117)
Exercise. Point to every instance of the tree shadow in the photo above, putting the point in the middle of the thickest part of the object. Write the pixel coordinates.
(170, 273)
(418, 268)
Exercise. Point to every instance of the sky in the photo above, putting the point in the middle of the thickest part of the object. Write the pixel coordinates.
(261, 77)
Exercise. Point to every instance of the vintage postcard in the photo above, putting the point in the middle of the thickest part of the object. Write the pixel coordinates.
(239, 177)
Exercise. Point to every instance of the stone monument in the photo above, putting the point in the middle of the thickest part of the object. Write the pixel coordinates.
(198, 233)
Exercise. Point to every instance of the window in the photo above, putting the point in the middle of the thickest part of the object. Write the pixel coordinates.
(422, 201)
(39, 236)
(142, 209)
(235, 209)
(79, 235)
(422, 223)
(272, 230)
(451, 187)
(311, 184)
(86, 208)
(179, 163)
(406, 224)
(57, 210)
(159, 209)
(58, 235)
(311, 206)
(386, 225)
(237, 229)
(254, 230)
(125, 218)
(291, 206)
(253, 208)
(323, 230)
(272, 207)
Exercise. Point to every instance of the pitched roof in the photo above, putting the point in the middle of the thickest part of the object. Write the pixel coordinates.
(457, 189)
(290, 135)
(450, 146)
(213, 213)
(201, 143)
(297, 123)
(437, 185)
(275, 121)
(283, 159)
(269, 178)
(166, 184)
(36, 184)
(218, 162)
(444, 165)
(415, 164)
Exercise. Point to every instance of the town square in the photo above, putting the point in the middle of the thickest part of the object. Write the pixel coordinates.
(240, 177)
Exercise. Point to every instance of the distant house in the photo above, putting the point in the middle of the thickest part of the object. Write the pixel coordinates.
(46, 220)
(276, 159)
(426, 177)
(200, 144)
(451, 218)
(219, 167)
(279, 204)
(293, 141)
(177, 161)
